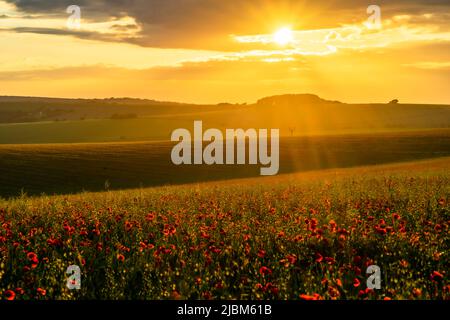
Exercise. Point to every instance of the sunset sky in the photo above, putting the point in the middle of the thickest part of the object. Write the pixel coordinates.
(210, 51)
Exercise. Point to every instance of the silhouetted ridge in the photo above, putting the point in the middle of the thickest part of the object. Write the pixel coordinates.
(293, 99)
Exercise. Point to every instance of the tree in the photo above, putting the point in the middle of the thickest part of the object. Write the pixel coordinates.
(395, 101)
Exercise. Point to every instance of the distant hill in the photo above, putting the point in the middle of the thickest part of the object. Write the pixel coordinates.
(293, 99)
(50, 120)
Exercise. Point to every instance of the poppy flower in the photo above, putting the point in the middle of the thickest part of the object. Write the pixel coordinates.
(417, 292)
(121, 257)
(20, 291)
(41, 291)
(332, 224)
(436, 276)
(10, 295)
(261, 253)
(31, 256)
(265, 271)
(356, 283)
(319, 258)
(315, 296)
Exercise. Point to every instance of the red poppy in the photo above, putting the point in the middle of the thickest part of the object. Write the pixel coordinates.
(20, 291)
(417, 292)
(265, 271)
(436, 276)
(319, 257)
(31, 256)
(356, 283)
(10, 295)
(316, 296)
(261, 253)
(120, 257)
(332, 224)
(150, 216)
(41, 291)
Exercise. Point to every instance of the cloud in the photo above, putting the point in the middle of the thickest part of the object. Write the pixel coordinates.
(208, 24)
(430, 65)
(87, 35)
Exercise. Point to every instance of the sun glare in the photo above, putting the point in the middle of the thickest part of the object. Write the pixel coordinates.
(283, 36)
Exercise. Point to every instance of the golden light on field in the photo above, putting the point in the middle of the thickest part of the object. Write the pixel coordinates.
(283, 36)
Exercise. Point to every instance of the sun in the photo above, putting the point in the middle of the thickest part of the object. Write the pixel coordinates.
(283, 36)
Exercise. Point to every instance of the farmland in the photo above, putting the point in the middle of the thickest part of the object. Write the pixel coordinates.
(299, 115)
(295, 236)
(72, 168)
(359, 186)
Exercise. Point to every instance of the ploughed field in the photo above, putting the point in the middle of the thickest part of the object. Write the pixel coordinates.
(72, 168)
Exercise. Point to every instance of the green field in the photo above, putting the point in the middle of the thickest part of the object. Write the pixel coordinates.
(299, 115)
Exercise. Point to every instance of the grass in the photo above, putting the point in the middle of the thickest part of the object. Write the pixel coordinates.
(295, 236)
(157, 122)
(72, 168)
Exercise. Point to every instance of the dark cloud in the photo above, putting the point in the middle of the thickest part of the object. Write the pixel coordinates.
(88, 35)
(208, 24)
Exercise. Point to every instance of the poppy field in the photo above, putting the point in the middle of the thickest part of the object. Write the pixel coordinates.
(297, 236)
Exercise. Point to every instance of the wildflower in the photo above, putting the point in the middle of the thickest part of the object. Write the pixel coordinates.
(319, 258)
(265, 271)
(261, 253)
(332, 224)
(33, 258)
(120, 257)
(20, 291)
(315, 296)
(10, 295)
(41, 291)
(356, 283)
(417, 292)
(404, 263)
(436, 276)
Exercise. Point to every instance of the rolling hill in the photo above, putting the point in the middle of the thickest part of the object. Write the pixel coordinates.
(41, 120)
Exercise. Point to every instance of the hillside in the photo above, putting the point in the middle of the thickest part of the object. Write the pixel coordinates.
(40, 120)
(71, 168)
(306, 236)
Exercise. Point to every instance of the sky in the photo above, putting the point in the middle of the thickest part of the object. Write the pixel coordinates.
(212, 51)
